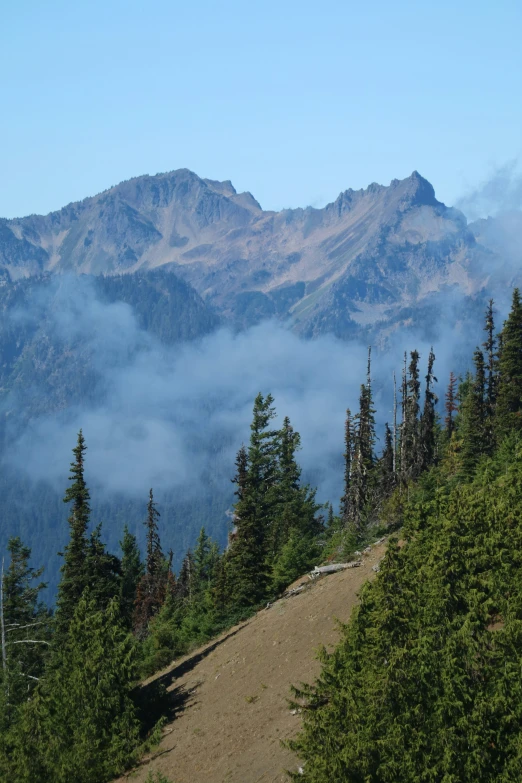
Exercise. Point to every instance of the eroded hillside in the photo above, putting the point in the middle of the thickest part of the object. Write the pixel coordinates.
(231, 695)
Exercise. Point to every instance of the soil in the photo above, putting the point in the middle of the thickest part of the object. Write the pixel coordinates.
(232, 695)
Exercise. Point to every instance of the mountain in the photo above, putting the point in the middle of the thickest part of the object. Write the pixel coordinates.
(367, 258)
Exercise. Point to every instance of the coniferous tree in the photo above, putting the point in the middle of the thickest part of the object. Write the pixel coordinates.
(206, 555)
(246, 564)
(427, 422)
(387, 474)
(348, 460)
(132, 571)
(152, 586)
(474, 418)
(81, 723)
(490, 346)
(361, 481)
(509, 390)
(292, 505)
(451, 405)
(75, 577)
(103, 571)
(25, 630)
(411, 451)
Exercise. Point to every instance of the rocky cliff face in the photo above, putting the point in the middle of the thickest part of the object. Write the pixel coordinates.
(362, 260)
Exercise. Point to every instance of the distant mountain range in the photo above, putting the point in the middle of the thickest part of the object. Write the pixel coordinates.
(368, 260)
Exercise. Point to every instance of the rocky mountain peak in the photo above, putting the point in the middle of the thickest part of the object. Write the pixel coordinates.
(415, 191)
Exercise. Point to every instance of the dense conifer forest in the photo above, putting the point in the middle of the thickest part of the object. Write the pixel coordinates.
(425, 683)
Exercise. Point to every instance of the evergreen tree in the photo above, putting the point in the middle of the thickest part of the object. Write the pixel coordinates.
(284, 496)
(490, 346)
(132, 571)
(25, 629)
(348, 459)
(362, 476)
(411, 432)
(152, 586)
(81, 724)
(509, 391)
(206, 555)
(451, 405)
(187, 581)
(387, 474)
(103, 571)
(474, 418)
(246, 564)
(427, 422)
(75, 577)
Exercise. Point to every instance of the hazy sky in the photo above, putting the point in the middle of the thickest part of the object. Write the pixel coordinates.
(294, 101)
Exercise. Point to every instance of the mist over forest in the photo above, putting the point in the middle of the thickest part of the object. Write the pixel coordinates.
(162, 382)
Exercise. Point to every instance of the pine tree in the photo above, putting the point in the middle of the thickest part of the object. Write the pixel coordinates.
(451, 405)
(387, 474)
(348, 460)
(284, 496)
(509, 391)
(246, 563)
(473, 423)
(81, 724)
(25, 629)
(186, 584)
(490, 346)
(152, 586)
(411, 446)
(361, 479)
(132, 571)
(427, 422)
(206, 555)
(103, 571)
(75, 577)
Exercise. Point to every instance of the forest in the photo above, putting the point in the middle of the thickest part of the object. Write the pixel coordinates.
(425, 682)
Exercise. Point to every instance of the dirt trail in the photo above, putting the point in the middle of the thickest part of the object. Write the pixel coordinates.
(232, 694)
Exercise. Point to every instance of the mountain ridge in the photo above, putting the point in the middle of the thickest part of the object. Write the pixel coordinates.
(362, 259)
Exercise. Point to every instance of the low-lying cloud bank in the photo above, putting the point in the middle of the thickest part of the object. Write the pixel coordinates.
(173, 417)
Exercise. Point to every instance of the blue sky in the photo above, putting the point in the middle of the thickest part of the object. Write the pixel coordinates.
(294, 101)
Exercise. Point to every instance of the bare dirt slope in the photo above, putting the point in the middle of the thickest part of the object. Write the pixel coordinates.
(232, 694)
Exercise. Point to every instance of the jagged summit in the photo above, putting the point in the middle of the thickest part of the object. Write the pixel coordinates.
(377, 248)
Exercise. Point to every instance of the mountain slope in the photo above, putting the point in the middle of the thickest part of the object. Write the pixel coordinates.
(231, 696)
(362, 259)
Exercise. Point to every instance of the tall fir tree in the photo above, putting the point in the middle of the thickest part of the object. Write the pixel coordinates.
(490, 347)
(348, 462)
(509, 391)
(411, 460)
(246, 563)
(473, 418)
(25, 622)
(450, 405)
(132, 570)
(428, 418)
(362, 474)
(75, 577)
(152, 586)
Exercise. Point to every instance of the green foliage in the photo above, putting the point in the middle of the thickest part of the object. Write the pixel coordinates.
(81, 724)
(424, 684)
(26, 626)
(157, 777)
(132, 570)
(509, 387)
(74, 574)
(297, 556)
